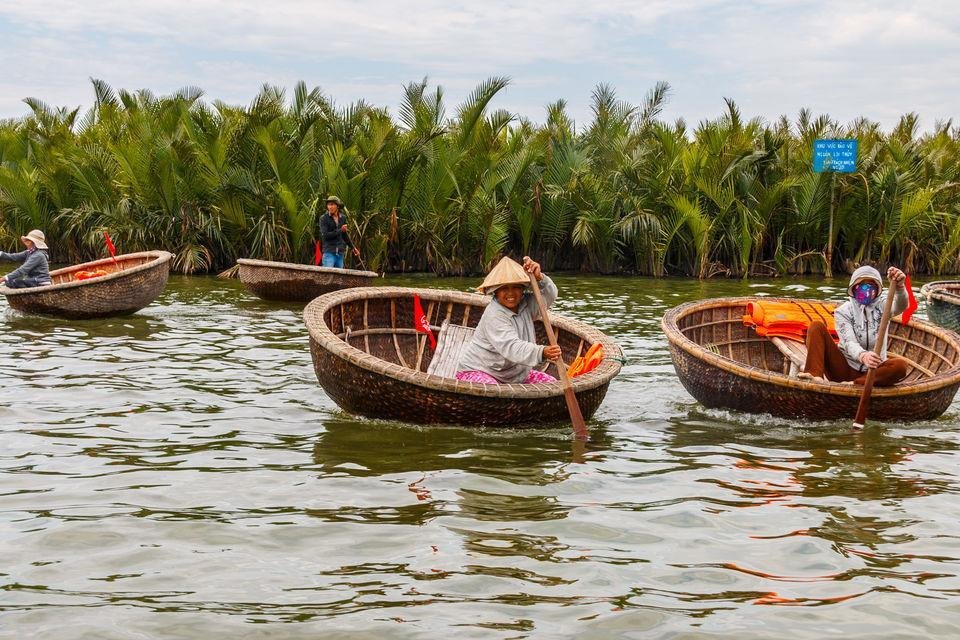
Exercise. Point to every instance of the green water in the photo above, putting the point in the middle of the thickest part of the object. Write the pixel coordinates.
(180, 474)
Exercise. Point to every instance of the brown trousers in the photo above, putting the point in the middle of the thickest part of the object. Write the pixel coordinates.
(824, 359)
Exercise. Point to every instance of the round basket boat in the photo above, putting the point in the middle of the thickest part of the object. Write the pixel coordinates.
(131, 283)
(724, 364)
(371, 361)
(943, 303)
(289, 282)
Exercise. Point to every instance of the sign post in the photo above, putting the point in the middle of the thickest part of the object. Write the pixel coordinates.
(833, 157)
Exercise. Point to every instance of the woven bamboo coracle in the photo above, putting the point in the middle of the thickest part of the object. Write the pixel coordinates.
(724, 364)
(943, 303)
(133, 282)
(371, 361)
(289, 282)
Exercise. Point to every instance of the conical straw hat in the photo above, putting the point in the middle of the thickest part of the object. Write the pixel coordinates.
(507, 271)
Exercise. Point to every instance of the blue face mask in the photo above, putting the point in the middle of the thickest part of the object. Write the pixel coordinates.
(865, 292)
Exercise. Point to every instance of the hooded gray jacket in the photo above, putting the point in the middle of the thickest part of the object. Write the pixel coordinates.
(504, 343)
(34, 265)
(857, 325)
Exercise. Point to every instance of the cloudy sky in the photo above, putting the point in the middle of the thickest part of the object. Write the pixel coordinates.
(873, 58)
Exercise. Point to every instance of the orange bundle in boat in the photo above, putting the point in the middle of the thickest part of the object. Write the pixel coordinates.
(788, 318)
(587, 362)
(86, 275)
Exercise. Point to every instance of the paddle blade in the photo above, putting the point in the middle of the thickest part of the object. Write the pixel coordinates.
(860, 420)
(573, 408)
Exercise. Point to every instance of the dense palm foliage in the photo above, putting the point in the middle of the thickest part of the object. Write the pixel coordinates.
(449, 193)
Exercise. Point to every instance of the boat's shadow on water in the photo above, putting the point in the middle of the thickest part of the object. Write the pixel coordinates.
(528, 456)
(769, 463)
(510, 471)
(825, 459)
(138, 326)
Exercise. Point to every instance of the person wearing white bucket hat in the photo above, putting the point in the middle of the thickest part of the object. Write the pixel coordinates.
(35, 270)
(504, 348)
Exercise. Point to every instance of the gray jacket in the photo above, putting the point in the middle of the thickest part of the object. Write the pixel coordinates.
(504, 343)
(857, 325)
(34, 265)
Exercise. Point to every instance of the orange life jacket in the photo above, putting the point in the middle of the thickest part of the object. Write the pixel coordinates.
(86, 275)
(587, 362)
(788, 319)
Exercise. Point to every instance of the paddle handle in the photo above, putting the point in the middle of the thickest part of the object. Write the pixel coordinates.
(860, 421)
(359, 259)
(573, 407)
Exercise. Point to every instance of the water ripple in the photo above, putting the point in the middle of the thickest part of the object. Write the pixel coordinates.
(179, 473)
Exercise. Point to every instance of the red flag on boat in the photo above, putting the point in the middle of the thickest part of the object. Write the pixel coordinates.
(420, 322)
(316, 252)
(911, 305)
(112, 249)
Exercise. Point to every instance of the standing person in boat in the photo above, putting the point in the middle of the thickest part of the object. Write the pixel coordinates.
(503, 348)
(333, 233)
(857, 322)
(35, 270)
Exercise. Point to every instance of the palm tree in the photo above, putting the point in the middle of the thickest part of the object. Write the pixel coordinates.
(623, 192)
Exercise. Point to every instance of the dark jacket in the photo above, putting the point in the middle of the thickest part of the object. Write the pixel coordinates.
(34, 265)
(334, 240)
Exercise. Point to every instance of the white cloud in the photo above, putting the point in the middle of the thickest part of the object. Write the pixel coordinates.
(848, 59)
(773, 56)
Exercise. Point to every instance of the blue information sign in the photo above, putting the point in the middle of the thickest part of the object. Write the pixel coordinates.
(838, 156)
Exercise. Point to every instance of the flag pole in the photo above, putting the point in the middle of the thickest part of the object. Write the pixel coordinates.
(112, 249)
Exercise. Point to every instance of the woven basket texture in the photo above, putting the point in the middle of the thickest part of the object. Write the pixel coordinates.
(724, 364)
(943, 303)
(288, 282)
(133, 282)
(370, 360)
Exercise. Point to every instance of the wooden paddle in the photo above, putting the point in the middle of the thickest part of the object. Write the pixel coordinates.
(860, 421)
(354, 246)
(573, 407)
(360, 260)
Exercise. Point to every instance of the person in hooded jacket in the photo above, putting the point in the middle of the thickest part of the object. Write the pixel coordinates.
(35, 270)
(857, 322)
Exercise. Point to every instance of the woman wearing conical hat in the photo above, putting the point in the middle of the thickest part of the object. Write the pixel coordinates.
(35, 270)
(503, 348)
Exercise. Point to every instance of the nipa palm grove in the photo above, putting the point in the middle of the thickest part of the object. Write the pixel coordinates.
(450, 192)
